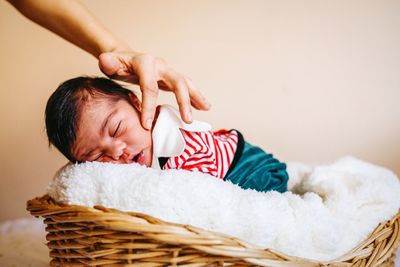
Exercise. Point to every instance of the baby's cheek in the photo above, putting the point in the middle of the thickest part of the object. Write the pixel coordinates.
(107, 159)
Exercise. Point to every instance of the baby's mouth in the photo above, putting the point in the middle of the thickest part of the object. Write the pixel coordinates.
(139, 157)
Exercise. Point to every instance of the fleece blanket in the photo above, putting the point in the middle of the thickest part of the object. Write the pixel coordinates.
(330, 208)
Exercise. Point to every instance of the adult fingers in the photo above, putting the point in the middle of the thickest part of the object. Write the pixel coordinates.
(153, 74)
(196, 98)
(186, 93)
(182, 96)
(148, 86)
(117, 66)
(109, 64)
(176, 83)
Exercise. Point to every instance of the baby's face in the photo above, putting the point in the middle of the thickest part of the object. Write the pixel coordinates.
(111, 132)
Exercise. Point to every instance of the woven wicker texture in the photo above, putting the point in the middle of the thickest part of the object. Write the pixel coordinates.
(83, 236)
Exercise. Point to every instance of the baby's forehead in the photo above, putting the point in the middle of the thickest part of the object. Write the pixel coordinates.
(95, 106)
(92, 96)
(95, 98)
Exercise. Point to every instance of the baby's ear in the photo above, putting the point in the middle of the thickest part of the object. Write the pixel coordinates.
(135, 101)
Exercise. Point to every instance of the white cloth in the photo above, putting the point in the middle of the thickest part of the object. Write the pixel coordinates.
(167, 138)
(344, 202)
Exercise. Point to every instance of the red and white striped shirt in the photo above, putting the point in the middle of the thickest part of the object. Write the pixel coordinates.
(192, 147)
(207, 152)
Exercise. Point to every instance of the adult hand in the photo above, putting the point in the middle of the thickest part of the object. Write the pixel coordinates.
(153, 73)
(72, 21)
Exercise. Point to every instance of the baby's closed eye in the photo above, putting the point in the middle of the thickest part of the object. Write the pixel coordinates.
(117, 129)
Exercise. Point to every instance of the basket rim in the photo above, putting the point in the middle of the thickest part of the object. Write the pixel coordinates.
(376, 249)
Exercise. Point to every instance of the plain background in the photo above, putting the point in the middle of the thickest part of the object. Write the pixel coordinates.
(309, 81)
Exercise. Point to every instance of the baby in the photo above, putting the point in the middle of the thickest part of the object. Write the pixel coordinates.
(96, 119)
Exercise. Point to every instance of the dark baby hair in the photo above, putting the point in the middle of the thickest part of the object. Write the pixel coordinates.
(64, 105)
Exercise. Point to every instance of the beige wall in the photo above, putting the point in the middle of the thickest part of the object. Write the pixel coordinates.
(308, 80)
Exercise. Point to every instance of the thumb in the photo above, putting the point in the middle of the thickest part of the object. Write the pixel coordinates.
(109, 63)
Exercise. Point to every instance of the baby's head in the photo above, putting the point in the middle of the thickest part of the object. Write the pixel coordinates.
(96, 119)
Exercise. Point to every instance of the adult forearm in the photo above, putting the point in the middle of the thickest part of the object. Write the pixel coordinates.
(73, 22)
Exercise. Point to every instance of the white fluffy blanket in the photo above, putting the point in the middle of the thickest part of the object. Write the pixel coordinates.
(331, 209)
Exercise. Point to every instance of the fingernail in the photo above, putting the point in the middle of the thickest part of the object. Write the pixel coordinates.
(189, 116)
(148, 123)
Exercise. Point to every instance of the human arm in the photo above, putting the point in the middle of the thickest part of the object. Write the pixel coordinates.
(73, 22)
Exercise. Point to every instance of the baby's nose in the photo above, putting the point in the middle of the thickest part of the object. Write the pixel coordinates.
(116, 150)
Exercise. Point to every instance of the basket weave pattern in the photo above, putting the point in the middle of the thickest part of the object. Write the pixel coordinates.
(98, 236)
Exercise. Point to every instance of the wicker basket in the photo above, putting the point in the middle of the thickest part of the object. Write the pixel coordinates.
(83, 236)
